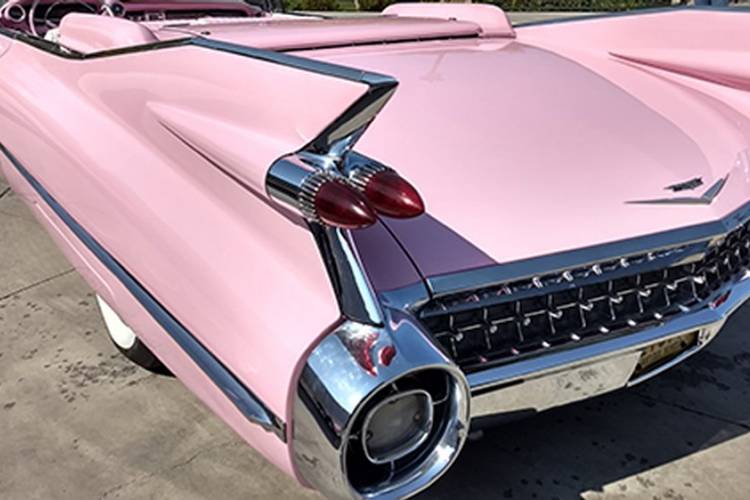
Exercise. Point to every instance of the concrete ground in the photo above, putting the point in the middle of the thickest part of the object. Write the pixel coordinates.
(78, 421)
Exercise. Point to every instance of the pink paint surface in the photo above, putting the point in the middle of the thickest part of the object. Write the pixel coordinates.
(492, 21)
(78, 32)
(520, 147)
(556, 135)
(110, 288)
(204, 246)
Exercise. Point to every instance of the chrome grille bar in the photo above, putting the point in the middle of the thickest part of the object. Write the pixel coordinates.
(492, 325)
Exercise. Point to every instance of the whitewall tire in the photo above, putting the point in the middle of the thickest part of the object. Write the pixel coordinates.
(127, 342)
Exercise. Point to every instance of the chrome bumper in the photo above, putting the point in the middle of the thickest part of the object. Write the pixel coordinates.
(564, 377)
(345, 373)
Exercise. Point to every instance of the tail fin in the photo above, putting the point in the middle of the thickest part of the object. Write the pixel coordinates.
(728, 68)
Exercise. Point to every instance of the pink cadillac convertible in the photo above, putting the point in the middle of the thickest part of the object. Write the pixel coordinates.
(354, 239)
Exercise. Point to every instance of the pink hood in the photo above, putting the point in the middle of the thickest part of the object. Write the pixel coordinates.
(523, 151)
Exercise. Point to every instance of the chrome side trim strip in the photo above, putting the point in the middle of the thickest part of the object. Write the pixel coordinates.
(245, 401)
(447, 284)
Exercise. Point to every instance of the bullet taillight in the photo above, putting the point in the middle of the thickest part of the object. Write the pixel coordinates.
(347, 195)
(338, 204)
(388, 192)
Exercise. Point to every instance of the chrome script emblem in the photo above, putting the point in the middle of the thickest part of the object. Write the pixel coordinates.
(705, 199)
(683, 186)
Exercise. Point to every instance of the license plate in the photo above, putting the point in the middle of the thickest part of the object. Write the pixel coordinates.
(661, 352)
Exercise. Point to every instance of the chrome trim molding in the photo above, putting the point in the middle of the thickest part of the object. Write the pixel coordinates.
(356, 297)
(296, 184)
(369, 78)
(518, 320)
(361, 170)
(295, 179)
(286, 178)
(242, 398)
(705, 199)
(498, 274)
(341, 376)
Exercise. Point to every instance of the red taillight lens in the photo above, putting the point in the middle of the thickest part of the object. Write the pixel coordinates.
(392, 195)
(339, 205)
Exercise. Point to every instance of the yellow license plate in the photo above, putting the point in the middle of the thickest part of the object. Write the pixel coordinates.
(661, 352)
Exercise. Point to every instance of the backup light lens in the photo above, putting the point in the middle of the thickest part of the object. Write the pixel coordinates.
(394, 196)
(397, 426)
(339, 205)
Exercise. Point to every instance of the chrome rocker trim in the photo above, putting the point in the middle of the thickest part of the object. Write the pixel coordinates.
(242, 398)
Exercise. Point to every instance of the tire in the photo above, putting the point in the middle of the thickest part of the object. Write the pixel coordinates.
(126, 341)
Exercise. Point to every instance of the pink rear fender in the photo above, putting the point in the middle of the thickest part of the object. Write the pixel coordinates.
(111, 289)
(163, 164)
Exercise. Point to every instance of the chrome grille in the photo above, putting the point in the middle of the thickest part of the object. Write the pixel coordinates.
(523, 318)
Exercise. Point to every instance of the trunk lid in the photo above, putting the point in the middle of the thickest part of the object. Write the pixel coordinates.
(519, 151)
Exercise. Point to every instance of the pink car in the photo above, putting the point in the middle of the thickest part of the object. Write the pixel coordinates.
(354, 239)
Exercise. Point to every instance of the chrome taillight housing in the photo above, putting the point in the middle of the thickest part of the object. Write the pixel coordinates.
(368, 429)
(341, 193)
(332, 201)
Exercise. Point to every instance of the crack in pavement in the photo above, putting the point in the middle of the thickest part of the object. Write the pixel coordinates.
(36, 284)
(694, 411)
(172, 467)
(4, 192)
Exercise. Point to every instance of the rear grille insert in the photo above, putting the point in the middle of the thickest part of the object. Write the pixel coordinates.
(527, 317)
